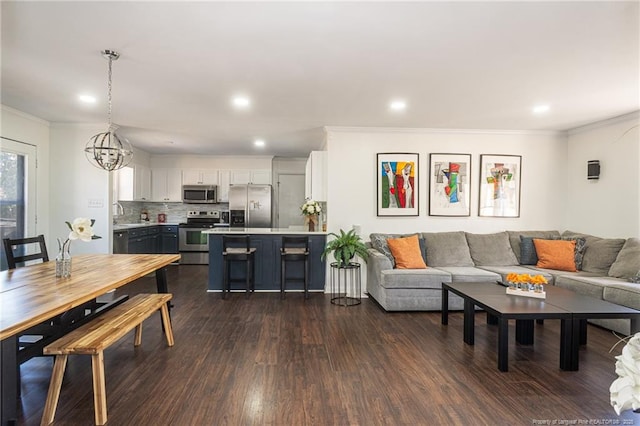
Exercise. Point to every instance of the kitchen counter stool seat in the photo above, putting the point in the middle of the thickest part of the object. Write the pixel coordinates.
(294, 249)
(237, 248)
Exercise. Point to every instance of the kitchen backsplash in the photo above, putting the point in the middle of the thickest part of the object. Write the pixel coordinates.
(176, 212)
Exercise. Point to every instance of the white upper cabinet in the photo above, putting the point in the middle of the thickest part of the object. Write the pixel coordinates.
(200, 177)
(166, 185)
(315, 181)
(133, 183)
(239, 177)
(142, 181)
(223, 186)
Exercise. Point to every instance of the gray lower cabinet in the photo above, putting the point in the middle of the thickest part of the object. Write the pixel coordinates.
(146, 239)
(267, 266)
(169, 239)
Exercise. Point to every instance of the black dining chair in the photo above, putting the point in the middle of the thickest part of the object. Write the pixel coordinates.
(294, 249)
(15, 249)
(237, 248)
(31, 341)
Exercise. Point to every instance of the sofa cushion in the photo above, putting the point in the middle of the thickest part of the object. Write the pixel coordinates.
(447, 249)
(600, 253)
(406, 252)
(589, 286)
(470, 274)
(414, 278)
(514, 238)
(505, 270)
(491, 249)
(627, 263)
(379, 242)
(623, 293)
(555, 254)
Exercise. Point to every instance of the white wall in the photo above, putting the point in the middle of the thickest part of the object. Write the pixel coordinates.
(26, 128)
(73, 183)
(352, 178)
(609, 206)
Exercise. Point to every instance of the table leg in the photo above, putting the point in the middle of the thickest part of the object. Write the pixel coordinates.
(569, 344)
(503, 344)
(469, 322)
(445, 306)
(524, 332)
(583, 331)
(9, 380)
(161, 284)
(492, 319)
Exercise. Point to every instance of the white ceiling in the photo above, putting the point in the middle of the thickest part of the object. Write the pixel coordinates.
(305, 65)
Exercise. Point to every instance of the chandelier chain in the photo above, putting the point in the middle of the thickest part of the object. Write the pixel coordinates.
(109, 89)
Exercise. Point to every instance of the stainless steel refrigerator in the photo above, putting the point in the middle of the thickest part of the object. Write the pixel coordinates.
(250, 206)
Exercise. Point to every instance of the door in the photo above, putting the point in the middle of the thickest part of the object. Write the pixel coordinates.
(290, 198)
(17, 191)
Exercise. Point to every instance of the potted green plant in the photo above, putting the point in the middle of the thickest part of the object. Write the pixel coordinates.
(345, 246)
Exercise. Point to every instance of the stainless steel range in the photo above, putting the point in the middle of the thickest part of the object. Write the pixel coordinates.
(192, 243)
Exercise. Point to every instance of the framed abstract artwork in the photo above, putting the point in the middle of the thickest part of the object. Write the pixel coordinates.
(500, 185)
(398, 188)
(449, 185)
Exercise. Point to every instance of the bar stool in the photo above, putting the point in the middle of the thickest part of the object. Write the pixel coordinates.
(294, 249)
(235, 248)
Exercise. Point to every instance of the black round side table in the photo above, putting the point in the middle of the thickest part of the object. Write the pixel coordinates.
(346, 284)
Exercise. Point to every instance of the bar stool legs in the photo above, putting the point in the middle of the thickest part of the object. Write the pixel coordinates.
(294, 249)
(237, 249)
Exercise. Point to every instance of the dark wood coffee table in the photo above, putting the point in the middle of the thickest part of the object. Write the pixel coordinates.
(572, 309)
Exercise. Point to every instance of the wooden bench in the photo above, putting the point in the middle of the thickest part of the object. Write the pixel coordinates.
(94, 337)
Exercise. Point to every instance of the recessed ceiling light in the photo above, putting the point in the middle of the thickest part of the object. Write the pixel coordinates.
(259, 143)
(398, 105)
(241, 102)
(87, 99)
(540, 109)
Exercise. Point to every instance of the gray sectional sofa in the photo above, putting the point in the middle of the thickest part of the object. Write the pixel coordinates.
(606, 268)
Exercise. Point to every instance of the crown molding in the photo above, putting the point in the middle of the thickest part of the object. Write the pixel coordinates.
(635, 115)
(347, 129)
(25, 115)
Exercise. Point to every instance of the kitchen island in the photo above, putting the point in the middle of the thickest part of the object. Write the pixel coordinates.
(268, 242)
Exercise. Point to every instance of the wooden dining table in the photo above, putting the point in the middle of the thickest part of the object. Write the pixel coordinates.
(32, 295)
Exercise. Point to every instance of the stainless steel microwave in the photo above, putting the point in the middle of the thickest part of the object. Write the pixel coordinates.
(200, 194)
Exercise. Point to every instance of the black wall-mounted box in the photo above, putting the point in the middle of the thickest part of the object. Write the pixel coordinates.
(593, 169)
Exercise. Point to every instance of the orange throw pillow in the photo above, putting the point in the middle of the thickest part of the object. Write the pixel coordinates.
(556, 254)
(406, 252)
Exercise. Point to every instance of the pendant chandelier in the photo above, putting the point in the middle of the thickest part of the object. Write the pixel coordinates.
(106, 150)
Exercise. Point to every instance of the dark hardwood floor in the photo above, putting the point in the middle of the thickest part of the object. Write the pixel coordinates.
(266, 361)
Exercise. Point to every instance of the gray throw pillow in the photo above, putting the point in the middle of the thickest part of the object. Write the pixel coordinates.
(447, 249)
(491, 249)
(578, 254)
(627, 264)
(528, 255)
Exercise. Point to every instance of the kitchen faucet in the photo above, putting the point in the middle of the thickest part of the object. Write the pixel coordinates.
(119, 211)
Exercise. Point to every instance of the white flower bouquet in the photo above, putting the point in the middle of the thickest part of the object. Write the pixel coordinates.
(311, 208)
(81, 229)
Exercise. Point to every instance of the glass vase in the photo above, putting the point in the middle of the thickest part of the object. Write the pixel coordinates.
(63, 259)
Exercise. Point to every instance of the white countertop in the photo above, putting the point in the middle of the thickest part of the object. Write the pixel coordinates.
(277, 231)
(125, 226)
